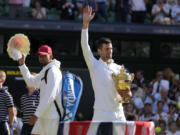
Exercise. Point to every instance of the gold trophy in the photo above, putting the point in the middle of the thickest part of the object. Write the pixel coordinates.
(123, 82)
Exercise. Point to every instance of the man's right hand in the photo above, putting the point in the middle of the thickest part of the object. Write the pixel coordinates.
(87, 16)
(22, 60)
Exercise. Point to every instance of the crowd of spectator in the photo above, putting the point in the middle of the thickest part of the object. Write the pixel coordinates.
(124, 11)
(157, 100)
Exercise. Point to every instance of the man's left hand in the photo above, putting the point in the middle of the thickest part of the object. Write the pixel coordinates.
(32, 120)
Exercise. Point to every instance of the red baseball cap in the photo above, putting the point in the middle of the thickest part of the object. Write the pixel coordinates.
(44, 49)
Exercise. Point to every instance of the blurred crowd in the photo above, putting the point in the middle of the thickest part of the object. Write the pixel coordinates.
(124, 11)
(156, 100)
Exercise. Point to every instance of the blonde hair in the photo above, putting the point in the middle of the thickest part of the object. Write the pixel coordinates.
(168, 73)
(3, 74)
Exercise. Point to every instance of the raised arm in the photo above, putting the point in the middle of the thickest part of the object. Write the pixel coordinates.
(30, 80)
(87, 17)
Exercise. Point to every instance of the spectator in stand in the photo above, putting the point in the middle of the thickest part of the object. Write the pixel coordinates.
(138, 10)
(130, 110)
(148, 87)
(16, 8)
(172, 115)
(102, 9)
(160, 115)
(147, 114)
(176, 13)
(159, 83)
(139, 78)
(170, 4)
(173, 129)
(68, 9)
(169, 75)
(160, 11)
(162, 124)
(162, 96)
(38, 12)
(121, 10)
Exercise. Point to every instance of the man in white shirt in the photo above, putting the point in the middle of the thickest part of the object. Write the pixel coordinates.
(46, 115)
(106, 106)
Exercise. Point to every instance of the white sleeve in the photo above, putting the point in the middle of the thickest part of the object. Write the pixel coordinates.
(30, 80)
(88, 56)
(173, 13)
(54, 79)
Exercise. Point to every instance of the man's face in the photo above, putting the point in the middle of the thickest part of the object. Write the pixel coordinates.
(106, 51)
(44, 59)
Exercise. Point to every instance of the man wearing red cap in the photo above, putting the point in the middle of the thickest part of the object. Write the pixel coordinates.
(46, 115)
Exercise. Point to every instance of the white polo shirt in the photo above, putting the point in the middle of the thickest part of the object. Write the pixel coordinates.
(101, 77)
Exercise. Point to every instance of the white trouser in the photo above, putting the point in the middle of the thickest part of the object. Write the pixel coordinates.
(46, 127)
(105, 116)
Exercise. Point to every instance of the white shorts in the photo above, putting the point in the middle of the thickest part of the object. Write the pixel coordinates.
(104, 116)
(46, 127)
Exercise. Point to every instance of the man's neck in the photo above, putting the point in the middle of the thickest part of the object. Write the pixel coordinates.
(108, 61)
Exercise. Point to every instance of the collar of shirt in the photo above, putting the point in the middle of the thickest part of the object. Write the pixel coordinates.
(105, 64)
(3, 89)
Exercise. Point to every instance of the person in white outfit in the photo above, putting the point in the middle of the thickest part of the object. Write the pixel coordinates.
(46, 117)
(106, 106)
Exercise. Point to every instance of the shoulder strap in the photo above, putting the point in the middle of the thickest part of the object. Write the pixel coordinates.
(57, 108)
(45, 76)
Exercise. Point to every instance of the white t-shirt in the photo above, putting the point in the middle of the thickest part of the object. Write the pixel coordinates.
(39, 15)
(137, 5)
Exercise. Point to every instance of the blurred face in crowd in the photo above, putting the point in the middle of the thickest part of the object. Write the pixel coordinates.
(172, 108)
(106, 52)
(159, 75)
(162, 125)
(160, 106)
(139, 75)
(44, 59)
(130, 107)
(148, 108)
(2, 76)
(173, 127)
(37, 4)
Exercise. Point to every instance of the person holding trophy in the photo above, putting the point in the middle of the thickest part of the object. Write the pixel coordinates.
(110, 81)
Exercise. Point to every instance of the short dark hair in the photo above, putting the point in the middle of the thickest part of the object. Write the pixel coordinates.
(102, 41)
